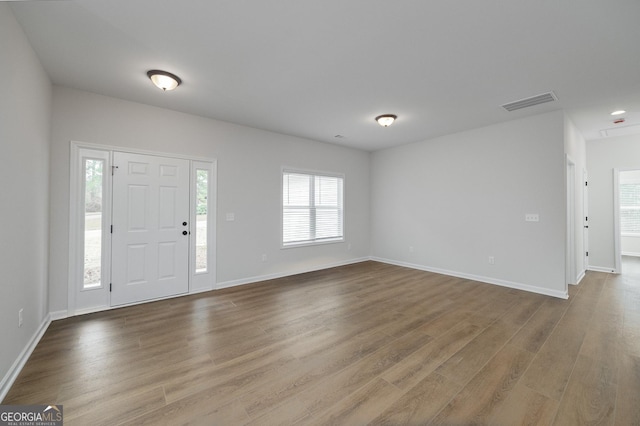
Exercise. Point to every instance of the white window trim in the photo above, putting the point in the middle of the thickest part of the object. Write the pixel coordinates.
(342, 239)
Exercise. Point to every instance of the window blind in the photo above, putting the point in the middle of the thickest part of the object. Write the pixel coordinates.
(630, 208)
(312, 208)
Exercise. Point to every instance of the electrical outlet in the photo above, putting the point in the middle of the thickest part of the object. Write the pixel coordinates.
(20, 319)
(531, 217)
(492, 260)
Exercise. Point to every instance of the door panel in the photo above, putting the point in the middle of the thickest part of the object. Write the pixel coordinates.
(167, 199)
(138, 201)
(150, 256)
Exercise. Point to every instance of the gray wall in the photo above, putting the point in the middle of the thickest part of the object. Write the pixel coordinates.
(249, 175)
(460, 198)
(25, 111)
(603, 156)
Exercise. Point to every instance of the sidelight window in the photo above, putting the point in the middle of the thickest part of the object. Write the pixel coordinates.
(93, 196)
(202, 210)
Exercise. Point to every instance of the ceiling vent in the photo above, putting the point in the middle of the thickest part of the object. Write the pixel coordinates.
(533, 100)
(633, 129)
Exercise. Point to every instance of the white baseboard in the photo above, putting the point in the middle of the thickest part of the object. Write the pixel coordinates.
(258, 278)
(199, 290)
(58, 315)
(602, 269)
(93, 310)
(488, 280)
(18, 365)
(581, 276)
(630, 253)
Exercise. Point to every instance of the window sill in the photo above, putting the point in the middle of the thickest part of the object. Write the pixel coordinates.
(312, 243)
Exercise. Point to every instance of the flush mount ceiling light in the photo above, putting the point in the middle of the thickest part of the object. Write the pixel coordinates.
(618, 112)
(386, 120)
(164, 80)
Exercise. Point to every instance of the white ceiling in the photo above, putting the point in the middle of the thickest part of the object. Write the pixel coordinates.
(322, 68)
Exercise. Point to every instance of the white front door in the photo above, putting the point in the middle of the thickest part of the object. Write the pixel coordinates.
(150, 241)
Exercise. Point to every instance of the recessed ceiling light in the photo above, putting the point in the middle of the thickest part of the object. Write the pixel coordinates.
(164, 80)
(386, 120)
(618, 112)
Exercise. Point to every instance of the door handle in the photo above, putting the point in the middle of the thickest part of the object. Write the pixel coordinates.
(184, 232)
(184, 223)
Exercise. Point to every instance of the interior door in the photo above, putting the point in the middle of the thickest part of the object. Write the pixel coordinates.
(585, 238)
(150, 241)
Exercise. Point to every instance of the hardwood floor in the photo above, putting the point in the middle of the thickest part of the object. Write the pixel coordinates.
(362, 344)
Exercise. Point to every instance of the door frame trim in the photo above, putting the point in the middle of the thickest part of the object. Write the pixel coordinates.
(570, 252)
(73, 266)
(617, 243)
